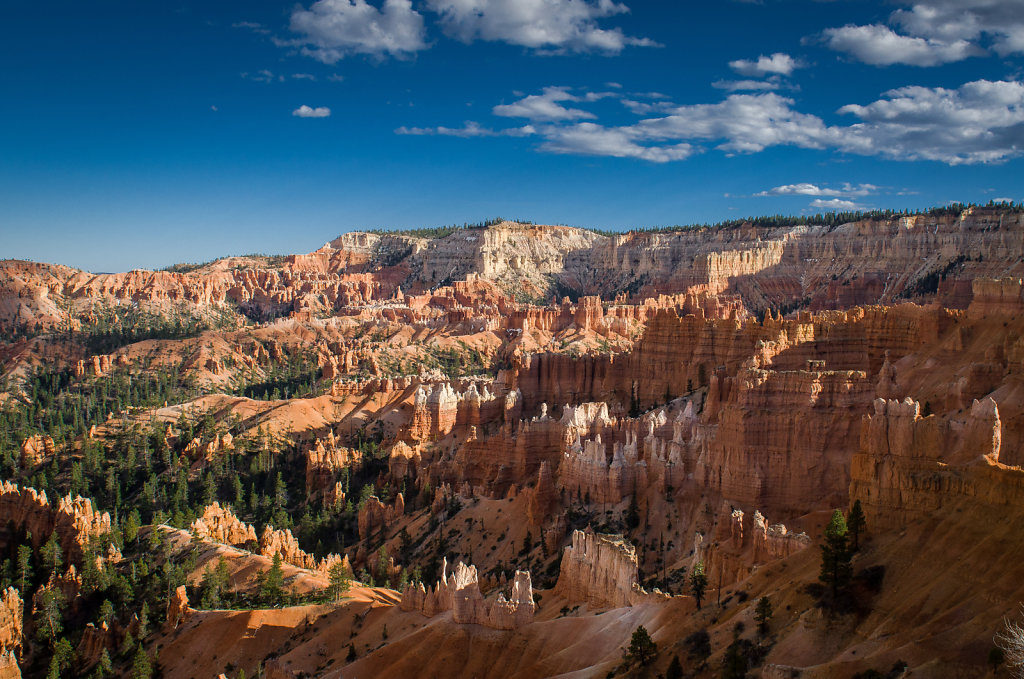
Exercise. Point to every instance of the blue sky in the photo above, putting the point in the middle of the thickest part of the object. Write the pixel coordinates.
(139, 134)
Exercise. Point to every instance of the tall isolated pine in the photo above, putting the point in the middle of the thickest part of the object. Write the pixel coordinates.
(855, 522)
(698, 582)
(836, 569)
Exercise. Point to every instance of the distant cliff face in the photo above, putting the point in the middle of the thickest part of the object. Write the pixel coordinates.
(814, 267)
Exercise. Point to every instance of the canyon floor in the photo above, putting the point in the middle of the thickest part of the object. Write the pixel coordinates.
(499, 451)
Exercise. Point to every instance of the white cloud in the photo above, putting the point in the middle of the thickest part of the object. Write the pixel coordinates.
(744, 122)
(469, 129)
(747, 85)
(806, 189)
(936, 32)
(1002, 21)
(778, 64)
(881, 46)
(835, 204)
(252, 26)
(642, 108)
(559, 25)
(263, 76)
(309, 112)
(333, 29)
(303, 76)
(619, 142)
(979, 122)
(544, 107)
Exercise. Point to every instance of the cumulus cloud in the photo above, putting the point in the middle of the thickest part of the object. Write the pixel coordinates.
(881, 46)
(747, 85)
(333, 29)
(469, 129)
(558, 25)
(807, 189)
(591, 139)
(979, 122)
(1002, 21)
(777, 64)
(743, 122)
(935, 32)
(545, 107)
(309, 112)
(834, 204)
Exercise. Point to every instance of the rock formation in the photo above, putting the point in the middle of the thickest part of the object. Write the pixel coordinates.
(375, 514)
(11, 628)
(73, 519)
(460, 593)
(221, 525)
(178, 611)
(599, 570)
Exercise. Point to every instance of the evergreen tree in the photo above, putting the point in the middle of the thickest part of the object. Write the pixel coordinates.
(50, 615)
(272, 588)
(675, 669)
(836, 569)
(61, 659)
(633, 511)
(351, 653)
(144, 620)
(24, 569)
(855, 523)
(52, 555)
(699, 645)
(141, 666)
(340, 580)
(698, 582)
(642, 648)
(763, 615)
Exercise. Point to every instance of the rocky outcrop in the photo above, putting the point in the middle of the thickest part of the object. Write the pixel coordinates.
(11, 629)
(374, 514)
(178, 610)
(600, 570)
(459, 592)
(72, 519)
(543, 497)
(910, 466)
(742, 542)
(94, 641)
(284, 543)
(324, 460)
(36, 449)
(219, 524)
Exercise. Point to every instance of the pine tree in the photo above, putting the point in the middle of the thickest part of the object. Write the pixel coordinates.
(272, 588)
(675, 669)
(52, 555)
(61, 659)
(836, 569)
(763, 615)
(855, 522)
(141, 666)
(24, 569)
(351, 653)
(698, 582)
(642, 648)
(340, 580)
